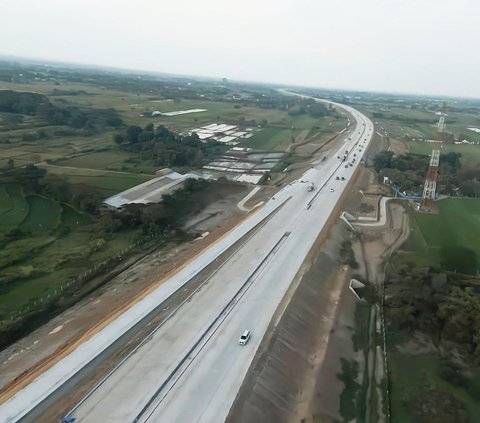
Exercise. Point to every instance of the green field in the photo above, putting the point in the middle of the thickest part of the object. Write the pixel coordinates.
(103, 160)
(417, 123)
(54, 148)
(43, 215)
(454, 228)
(106, 182)
(58, 243)
(270, 139)
(451, 234)
(410, 375)
(470, 153)
(130, 106)
(13, 207)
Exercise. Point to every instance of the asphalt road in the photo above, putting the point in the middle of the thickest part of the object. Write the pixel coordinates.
(192, 367)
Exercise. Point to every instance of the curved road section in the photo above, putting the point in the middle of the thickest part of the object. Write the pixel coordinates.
(191, 367)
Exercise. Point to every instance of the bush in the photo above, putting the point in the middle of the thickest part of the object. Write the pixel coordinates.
(451, 373)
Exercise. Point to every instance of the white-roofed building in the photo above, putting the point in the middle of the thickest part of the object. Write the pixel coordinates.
(150, 191)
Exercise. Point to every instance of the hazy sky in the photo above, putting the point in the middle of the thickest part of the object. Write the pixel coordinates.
(419, 46)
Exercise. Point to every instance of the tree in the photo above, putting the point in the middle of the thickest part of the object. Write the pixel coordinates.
(163, 133)
(118, 139)
(133, 132)
(114, 121)
(145, 136)
(383, 160)
(198, 161)
(453, 159)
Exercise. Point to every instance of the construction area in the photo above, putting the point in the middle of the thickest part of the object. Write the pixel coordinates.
(223, 133)
(246, 160)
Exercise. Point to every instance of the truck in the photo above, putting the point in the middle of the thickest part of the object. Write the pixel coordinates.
(310, 186)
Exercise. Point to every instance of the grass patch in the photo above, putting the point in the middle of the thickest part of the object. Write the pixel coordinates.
(43, 216)
(106, 182)
(412, 375)
(348, 397)
(436, 236)
(13, 207)
(470, 153)
(103, 160)
(72, 218)
(362, 323)
(55, 244)
(270, 139)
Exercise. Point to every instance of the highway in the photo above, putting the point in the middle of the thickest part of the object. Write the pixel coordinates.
(191, 367)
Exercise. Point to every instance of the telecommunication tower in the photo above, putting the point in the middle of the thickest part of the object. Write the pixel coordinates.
(430, 187)
(441, 121)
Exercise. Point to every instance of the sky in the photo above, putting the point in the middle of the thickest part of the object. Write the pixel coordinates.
(406, 46)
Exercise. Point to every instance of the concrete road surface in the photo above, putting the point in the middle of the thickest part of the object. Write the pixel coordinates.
(192, 367)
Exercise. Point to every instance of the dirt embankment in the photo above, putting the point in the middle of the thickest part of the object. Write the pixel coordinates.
(295, 377)
(308, 339)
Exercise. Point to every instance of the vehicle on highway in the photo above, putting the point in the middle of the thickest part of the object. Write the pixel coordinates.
(346, 165)
(343, 178)
(337, 178)
(244, 338)
(331, 190)
(310, 186)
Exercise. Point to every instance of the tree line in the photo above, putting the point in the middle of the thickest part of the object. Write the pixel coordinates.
(34, 104)
(167, 148)
(169, 214)
(408, 171)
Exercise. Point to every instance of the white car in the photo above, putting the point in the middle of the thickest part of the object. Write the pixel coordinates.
(244, 338)
(331, 190)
